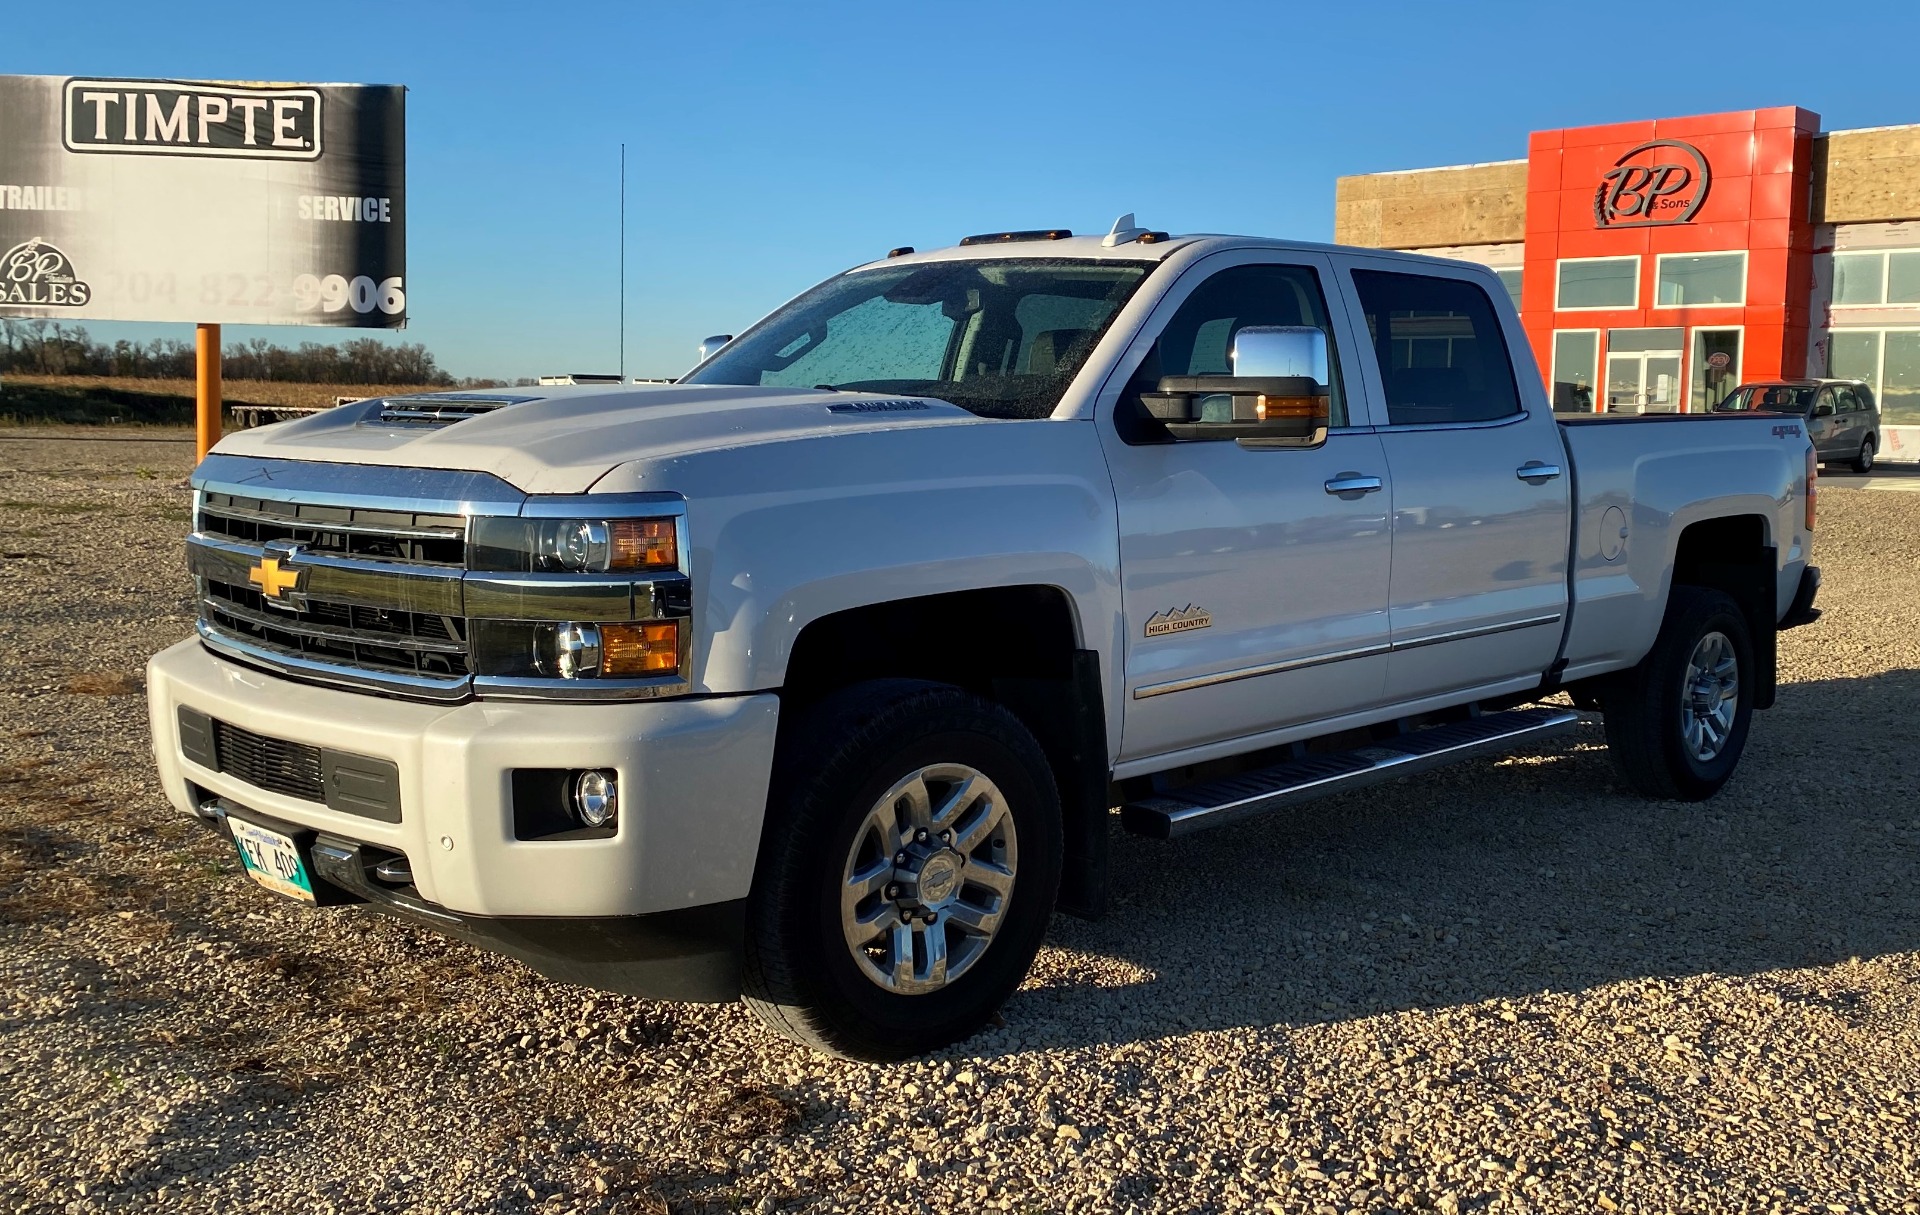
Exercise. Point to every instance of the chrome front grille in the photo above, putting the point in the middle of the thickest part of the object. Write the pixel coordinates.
(385, 579)
(374, 638)
(420, 537)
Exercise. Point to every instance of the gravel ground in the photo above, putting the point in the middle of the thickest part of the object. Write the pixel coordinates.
(1510, 987)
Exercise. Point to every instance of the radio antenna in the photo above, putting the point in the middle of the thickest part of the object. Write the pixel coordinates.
(623, 263)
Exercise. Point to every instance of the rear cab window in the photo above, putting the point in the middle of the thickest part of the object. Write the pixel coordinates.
(1440, 348)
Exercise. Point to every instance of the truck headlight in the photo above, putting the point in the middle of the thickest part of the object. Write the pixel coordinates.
(614, 651)
(599, 545)
(574, 546)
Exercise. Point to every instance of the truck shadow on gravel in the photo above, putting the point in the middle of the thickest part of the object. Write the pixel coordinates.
(1502, 879)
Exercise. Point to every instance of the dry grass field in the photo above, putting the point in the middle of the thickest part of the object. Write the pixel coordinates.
(40, 399)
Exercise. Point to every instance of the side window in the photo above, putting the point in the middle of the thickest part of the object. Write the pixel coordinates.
(1843, 400)
(1823, 403)
(1442, 354)
(1199, 338)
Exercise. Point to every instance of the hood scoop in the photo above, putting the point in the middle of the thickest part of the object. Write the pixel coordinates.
(441, 409)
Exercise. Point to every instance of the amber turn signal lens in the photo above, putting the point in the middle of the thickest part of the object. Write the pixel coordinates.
(1272, 409)
(642, 544)
(640, 649)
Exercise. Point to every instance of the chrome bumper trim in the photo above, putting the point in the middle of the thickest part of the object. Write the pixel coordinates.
(423, 687)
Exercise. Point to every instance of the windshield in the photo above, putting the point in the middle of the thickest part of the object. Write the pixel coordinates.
(1001, 338)
(1774, 398)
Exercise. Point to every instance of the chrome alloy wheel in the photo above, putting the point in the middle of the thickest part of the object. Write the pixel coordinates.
(1709, 697)
(928, 879)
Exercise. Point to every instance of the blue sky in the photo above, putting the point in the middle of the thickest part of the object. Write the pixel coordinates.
(771, 145)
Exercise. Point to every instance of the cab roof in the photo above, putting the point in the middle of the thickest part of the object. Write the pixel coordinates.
(1095, 248)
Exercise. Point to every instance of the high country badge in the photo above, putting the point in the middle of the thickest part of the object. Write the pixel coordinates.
(1178, 620)
(34, 274)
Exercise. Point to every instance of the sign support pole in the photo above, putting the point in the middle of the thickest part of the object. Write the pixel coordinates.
(206, 395)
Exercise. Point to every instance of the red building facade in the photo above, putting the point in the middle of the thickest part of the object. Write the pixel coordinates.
(1667, 261)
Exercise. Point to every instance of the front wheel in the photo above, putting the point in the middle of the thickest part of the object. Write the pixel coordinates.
(1677, 723)
(909, 864)
(1863, 463)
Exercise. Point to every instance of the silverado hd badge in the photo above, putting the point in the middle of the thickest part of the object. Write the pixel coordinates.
(1178, 620)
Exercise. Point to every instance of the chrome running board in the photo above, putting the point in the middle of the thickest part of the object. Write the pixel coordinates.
(1229, 799)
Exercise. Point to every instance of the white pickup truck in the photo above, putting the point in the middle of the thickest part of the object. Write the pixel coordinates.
(815, 677)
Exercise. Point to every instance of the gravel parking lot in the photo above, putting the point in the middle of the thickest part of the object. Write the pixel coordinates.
(1509, 987)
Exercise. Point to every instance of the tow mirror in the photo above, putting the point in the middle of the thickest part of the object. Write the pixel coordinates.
(709, 345)
(1277, 396)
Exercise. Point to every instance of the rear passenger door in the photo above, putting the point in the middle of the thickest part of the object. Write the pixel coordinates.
(1481, 512)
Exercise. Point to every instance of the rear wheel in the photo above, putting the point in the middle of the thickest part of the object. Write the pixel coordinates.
(1677, 723)
(909, 865)
(1863, 462)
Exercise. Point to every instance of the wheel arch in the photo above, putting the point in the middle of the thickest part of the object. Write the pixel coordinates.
(1021, 646)
(1735, 554)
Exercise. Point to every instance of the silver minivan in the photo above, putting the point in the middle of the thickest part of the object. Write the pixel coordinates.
(1843, 419)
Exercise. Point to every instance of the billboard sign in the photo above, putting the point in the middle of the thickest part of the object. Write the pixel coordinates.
(203, 201)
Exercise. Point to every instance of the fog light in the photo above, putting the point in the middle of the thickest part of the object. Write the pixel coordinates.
(595, 797)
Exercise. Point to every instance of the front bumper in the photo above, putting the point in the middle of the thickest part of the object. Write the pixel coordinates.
(693, 787)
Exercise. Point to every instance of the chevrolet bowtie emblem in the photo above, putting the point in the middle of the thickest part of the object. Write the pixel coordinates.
(272, 580)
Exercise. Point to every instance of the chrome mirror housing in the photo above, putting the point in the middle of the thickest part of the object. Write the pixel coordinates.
(1268, 351)
(709, 345)
(1278, 394)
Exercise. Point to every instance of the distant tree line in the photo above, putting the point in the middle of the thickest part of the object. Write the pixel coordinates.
(41, 347)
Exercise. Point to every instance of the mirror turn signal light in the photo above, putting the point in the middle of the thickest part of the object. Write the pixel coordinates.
(652, 648)
(1273, 409)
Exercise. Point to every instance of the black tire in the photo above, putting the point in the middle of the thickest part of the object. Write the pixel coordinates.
(1863, 463)
(1644, 706)
(833, 766)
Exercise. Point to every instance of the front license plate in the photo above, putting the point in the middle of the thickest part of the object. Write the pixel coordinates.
(271, 859)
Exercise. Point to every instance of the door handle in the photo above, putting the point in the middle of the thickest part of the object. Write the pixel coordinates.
(1533, 472)
(1353, 483)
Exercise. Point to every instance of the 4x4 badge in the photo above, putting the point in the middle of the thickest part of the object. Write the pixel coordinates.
(1178, 620)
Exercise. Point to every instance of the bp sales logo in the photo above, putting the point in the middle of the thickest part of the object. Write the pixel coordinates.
(1663, 181)
(35, 274)
(188, 118)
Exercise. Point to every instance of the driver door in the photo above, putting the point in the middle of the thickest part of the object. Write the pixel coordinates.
(1253, 580)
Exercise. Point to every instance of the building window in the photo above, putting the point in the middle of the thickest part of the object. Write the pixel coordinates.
(1691, 280)
(1716, 368)
(1509, 277)
(1598, 282)
(1576, 365)
(1877, 278)
(1889, 361)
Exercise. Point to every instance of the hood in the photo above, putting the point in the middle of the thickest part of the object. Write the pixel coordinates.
(562, 440)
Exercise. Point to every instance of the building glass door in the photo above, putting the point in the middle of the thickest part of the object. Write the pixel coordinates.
(1643, 370)
(1716, 368)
